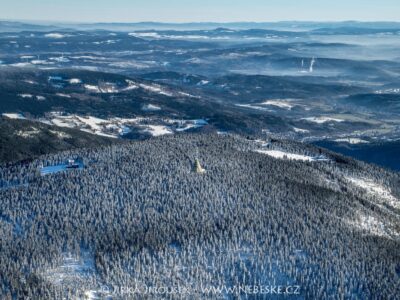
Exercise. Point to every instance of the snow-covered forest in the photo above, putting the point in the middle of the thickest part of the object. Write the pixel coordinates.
(138, 214)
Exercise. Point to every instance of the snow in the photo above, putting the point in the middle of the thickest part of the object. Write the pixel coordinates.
(158, 130)
(60, 59)
(279, 103)
(253, 107)
(380, 192)
(21, 65)
(112, 127)
(145, 34)
(25, 95)
(92, 88)
(55, 35)
(322, 119)
(41, 62)
(372, 226)
(285, 155)
(388, 91)
(131, 85)
(30, 81)
(89, 295)
(189, 95)
(107, 88)
(54, 78)
(28, 133)
(151, 107)
(89, 57)
(63, 95)
(191, 124)
(13, 116)
(106, 42)
(74, 81)
(299, 130)
(27, 56)
(57, 168)
(203, 82)
(92, 122)
(352, 141)
(60, 134)
(61, 122)
(72, 271)
(155, 89)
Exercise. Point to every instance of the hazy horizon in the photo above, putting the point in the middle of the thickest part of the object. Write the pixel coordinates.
(32, 21)
(179, 11)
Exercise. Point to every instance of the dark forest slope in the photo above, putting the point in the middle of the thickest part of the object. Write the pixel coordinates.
(23, 139)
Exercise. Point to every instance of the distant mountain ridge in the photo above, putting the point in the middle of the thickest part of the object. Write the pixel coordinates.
(9, 25)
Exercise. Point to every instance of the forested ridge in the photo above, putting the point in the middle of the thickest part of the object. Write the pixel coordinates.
(138, 214)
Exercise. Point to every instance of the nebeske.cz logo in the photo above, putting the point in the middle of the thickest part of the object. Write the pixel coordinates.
(143, 289)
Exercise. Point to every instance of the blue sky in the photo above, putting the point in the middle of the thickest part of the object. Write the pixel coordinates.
(199, 11)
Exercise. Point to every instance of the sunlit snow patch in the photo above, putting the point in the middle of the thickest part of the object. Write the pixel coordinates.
(151, 107)
(157, 130)
(92, 88)
(191, 124)
(285, 155)
(322, 119)
(279, 103)
(63, 95)
(13, 116)
(74, 81)
(28, 133)
(25, 95)
(352, 141)
(60, 134)
(155, 89)
(145, 34)
(292, 156)
(372, 225)
(381, 193)
(78, 165)
(55, 35)
(299, 130)
(252, 106)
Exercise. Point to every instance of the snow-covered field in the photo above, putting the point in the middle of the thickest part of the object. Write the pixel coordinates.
(191, 124)
(281, 103)
(155, 89)
(113, 127)
(60, 134)
(29, 96)
(55, 35)
(13, 116)
(285, 155)
(352, 141)
(74, 81)
(257, 107)
(151, 107)
(106, 88)
(157, 130)
(322, 119)
(299, 130)
(105, 127)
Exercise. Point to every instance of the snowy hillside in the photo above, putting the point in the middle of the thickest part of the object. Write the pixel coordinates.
(140, 215)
